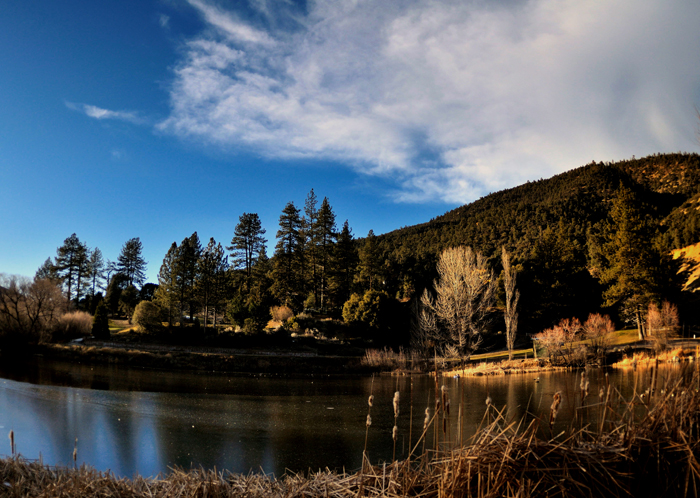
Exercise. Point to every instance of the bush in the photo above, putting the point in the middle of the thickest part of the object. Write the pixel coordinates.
(281, 313)
(147, 316)
(100, 324)
(71, 326)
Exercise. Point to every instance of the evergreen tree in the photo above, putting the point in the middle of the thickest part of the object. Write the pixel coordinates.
(246, 243)
(186, 273)
(309, 243)
(96, 266)
(130, 263)
(100, 322)
(326, 234)
(167, 293)
(286, 286)
(47, 271)
(369, 269)
(70, 266)
(630, 267)
(344, 264)
(210, 264)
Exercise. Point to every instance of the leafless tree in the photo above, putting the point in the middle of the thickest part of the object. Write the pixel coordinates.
(29, 309)
(597, 329)
(512, 298)
(464, 295)
(662, 323)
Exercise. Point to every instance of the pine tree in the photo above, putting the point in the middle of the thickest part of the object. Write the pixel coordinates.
(209, 266)
(96, 267)
(327, 234)
(630, 266)
(186, 272)
(308, 250)
(369, 269)
(167, 293)
(246, 243)
(344, 264)
(71, 262)
(286, 286)
(130, 263)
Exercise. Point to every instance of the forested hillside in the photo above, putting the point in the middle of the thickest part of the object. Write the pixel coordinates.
(553, 228)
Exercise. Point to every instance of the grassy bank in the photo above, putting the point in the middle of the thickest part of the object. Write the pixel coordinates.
(209, 359)
(639, 446)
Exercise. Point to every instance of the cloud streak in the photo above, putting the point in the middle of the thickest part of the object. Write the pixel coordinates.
(99, 113)
(452, 100)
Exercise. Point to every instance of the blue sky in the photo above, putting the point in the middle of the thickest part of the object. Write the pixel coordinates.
(155, 119)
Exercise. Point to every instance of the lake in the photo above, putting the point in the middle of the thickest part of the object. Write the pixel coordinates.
(142, 421)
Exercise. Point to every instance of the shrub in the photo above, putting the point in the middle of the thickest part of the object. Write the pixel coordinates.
(147, 316)
(281, 313)
(100, 323)
(71, 326)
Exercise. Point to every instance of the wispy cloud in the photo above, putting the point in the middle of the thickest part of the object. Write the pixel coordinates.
(100, 113)
(452, 99)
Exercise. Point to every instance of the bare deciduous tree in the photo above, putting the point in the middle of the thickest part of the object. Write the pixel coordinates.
(29, 309)
(512, 298)
(465, 293)
(662, 323)
(597, 329)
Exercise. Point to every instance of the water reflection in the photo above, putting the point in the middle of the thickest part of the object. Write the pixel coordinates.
(137, 421)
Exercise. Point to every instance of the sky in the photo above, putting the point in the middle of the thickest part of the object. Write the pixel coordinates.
(159, 118)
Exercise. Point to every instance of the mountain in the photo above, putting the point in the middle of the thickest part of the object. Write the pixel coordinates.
(552, 225)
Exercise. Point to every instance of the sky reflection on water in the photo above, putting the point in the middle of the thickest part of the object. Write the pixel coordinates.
(133, 421)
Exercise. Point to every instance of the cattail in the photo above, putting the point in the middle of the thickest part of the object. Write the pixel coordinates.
(75, 451)
(396, 404)
(584, 385)
(394, 433)
(370, 400)
(426, 421)
(12, 442)
(554, 410)
(369, 420)
(488, 400)
(445, 400)
(601, 393)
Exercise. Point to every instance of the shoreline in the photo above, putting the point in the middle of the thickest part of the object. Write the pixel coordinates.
(204, 359)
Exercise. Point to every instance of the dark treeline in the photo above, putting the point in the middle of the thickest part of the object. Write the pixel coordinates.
(594, 239)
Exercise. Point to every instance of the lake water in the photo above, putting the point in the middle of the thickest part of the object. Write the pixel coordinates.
(133, 421)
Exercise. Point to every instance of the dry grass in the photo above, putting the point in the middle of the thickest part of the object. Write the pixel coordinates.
(643, 358)
(386, 358)
(503, 367)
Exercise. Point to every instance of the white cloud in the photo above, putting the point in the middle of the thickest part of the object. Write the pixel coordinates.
(453, 99)
(100, 113)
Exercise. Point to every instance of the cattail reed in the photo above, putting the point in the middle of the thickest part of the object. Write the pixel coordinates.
(12, 442)
(395, 430)
(426, 420)
(488, 400)
(368, 422)
(554, 409)
(584, 385)
(75, 453)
